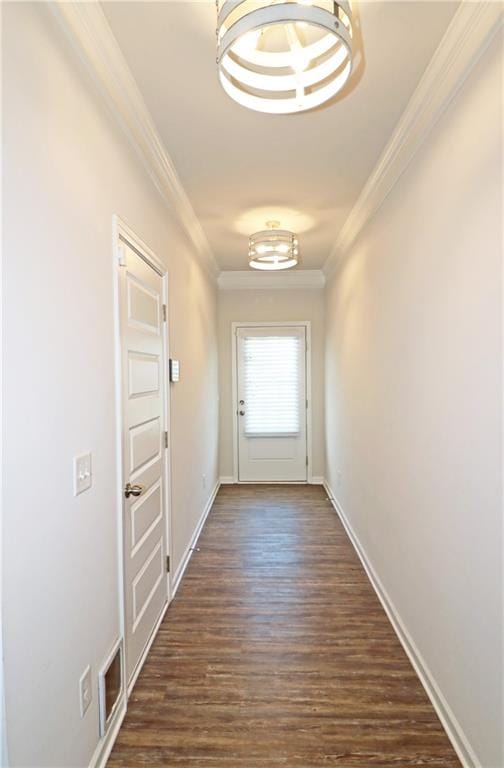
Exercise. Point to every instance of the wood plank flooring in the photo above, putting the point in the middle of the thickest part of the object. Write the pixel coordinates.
(276, 653)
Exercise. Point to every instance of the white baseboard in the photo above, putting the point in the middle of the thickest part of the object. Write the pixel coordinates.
(177, 576)
(231, 481)
(104, 748)
(448, 720)
(146, 650)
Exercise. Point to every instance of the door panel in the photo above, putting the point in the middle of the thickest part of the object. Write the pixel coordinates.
(271, 396)
(146, 512)
(143, 306)
(145, 584)
(145, 445)
(143, 374)
(276, 449)
(143, 424)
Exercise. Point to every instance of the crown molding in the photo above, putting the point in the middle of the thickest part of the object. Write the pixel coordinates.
(245, 280)
(90, 33)
(467, 36)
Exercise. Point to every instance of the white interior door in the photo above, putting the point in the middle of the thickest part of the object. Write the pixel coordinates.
(143, 438)
(271, 378)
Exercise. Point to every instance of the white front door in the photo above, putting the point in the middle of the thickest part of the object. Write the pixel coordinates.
(143, 451)
(271, 397)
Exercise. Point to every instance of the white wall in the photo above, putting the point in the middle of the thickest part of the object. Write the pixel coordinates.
(67, 170)
(414, 402)
(271, 306)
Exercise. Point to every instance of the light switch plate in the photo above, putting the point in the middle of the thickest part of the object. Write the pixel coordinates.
(82, 473)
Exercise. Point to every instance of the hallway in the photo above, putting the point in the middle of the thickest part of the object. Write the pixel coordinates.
(253, 299)
(277, 652)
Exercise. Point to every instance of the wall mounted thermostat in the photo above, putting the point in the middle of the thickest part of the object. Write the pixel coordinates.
(174, 370)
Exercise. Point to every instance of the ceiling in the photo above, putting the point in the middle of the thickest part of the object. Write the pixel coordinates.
(241, 168)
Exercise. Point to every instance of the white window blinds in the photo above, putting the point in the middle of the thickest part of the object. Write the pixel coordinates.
(272, 385)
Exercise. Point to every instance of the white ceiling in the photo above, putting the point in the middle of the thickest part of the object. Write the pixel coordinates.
(240, 168)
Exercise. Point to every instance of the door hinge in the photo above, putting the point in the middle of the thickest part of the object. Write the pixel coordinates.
(307, 461)
(164, 313)
(167, 563)
(166, 439)
(121, 255)
(307, 404)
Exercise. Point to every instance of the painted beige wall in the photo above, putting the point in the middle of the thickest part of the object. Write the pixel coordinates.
(414, 402)
(270, 306)
(67, 170)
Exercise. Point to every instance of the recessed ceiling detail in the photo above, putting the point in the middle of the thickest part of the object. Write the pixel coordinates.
(284, 57)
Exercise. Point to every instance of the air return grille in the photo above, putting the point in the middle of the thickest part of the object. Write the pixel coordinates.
(111, 686)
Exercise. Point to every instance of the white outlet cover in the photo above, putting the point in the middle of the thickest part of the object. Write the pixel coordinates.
(85, 690)
(83, 477)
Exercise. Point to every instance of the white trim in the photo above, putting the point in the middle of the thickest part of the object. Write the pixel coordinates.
(316, 480)
(104, 726)
(273, 482)
(309, 416)
(105, 745)
(245, 280)
(122, 233)
(90, 33)
(234, 384)
(145, 652)
(177, 576)
(448, 720)
(469, 33)
(234, 401)
(227, 480)
(4, 752)
(118, 446)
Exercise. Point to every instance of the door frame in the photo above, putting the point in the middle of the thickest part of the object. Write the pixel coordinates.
(306, 324)
(122, 233)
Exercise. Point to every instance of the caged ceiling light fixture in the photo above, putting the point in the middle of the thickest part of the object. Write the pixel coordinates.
(283, 57)
(273, 248)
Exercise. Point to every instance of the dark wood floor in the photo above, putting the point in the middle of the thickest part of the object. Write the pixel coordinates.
(276, 652)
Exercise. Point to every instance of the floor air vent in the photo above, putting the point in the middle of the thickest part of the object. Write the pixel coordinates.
(110, 687)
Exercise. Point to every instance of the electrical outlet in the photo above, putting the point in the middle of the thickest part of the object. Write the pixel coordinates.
(85, 690)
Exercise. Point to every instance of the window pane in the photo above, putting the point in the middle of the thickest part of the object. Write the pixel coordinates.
(272, 385)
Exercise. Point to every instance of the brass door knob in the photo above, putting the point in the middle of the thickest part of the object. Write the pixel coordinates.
(133, 490)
